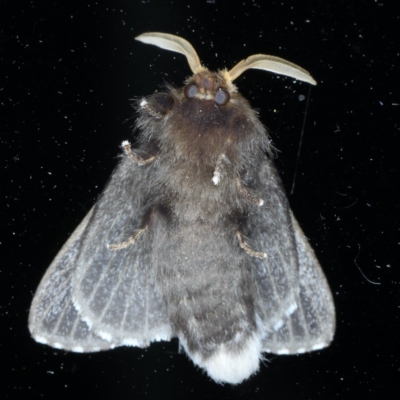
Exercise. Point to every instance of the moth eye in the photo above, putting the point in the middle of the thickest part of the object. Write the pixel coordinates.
(191, 91)
(222, 97)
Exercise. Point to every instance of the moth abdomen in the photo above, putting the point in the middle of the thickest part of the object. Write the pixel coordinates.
(197, 298)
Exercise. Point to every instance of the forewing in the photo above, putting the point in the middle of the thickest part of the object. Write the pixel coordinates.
(276, 277)
(112, 294)
(311, 326)
(53, 319)
(291, 274)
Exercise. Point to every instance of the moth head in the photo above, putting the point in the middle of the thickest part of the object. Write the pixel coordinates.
(218, 86)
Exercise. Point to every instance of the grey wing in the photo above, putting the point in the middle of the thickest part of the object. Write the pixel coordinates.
(311, 325)
(53, 319)
(295, 311)
(92, 298)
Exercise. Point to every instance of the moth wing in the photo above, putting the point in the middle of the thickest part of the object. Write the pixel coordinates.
(53, 319)
(311, 325)
(276, 276)
(111, 296)
(295, 311)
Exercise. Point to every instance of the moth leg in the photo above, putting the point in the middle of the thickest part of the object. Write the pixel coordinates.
(140, 161)
(222, 159)
(145, 105)
(128, 242)
(244, 192)
(247, 249)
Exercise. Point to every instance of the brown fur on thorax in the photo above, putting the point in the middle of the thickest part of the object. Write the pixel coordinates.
(194, 137)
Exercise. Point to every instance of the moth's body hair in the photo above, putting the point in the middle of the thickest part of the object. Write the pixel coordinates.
(233, 364)
(193, 237)
(195, 158)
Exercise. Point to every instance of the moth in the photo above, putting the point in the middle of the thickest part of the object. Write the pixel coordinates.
(193, 238)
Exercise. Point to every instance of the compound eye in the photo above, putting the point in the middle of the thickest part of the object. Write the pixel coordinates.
(191, 91)
(222, 97)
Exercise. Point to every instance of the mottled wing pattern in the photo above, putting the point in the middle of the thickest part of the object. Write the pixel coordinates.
(295, 306)
(92, 298)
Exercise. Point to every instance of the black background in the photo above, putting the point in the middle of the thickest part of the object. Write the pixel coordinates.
(70, 70)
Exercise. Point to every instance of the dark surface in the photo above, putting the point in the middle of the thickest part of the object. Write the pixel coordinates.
(69, 71)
